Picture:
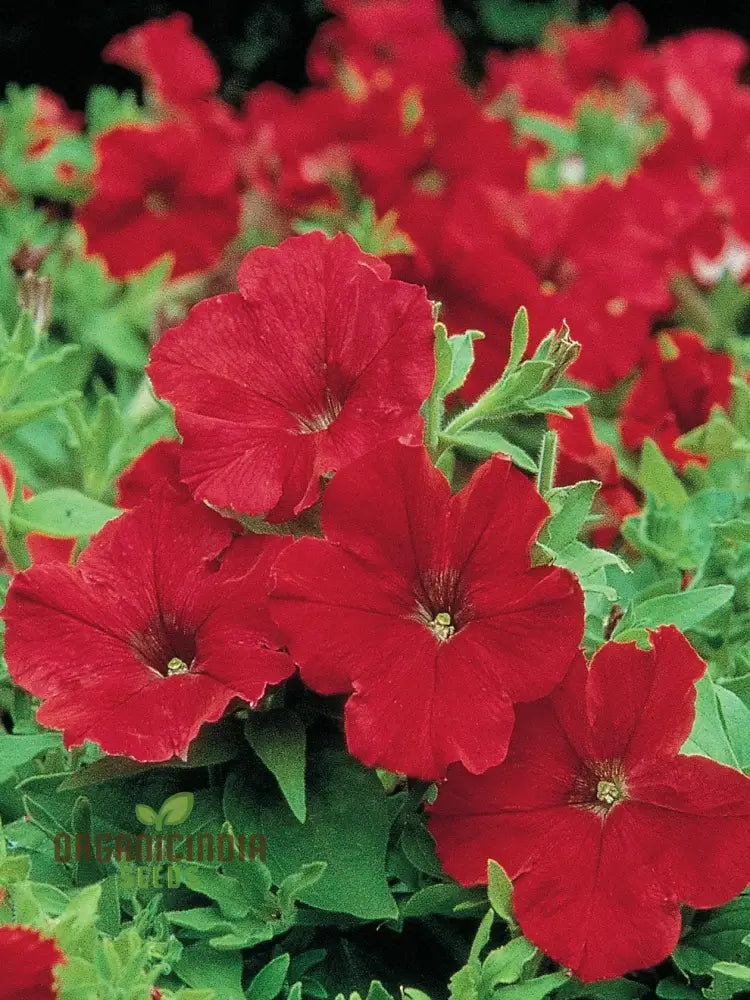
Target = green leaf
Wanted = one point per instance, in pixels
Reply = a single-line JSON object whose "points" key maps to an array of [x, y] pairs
{"points": [[454, 357], [279, 739], [558, 399], [656, 476], [519, 340], [419, 848], [721, 729], [500, 892], [570, 508], [201, 966], [483, 443], [685, 609], [269, 982], [440, 898], [176, 808], [674, 988], [15, 418], [535, 989], [522, 23], [604, 989], [716, 935], [505, 965], [107, 107], [15, 751], [347, 825], [730, 978], [294, 885], [62, 513]]}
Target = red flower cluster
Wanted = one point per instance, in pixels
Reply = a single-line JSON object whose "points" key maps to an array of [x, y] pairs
{"points": [[389, 116], [153, 193], [29, 961], [456, 165], [602, 825], [459, 657]]}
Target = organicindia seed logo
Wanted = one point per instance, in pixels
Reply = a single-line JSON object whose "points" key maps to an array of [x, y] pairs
{"points": [[161, 857]]}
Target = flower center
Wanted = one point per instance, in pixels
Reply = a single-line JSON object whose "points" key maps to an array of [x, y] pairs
{"points": [[609, 792], [166, 647], [177, 666], [556, 275], [442, 626], [440, 603], [430, 181], [321, 419], [158, 201], [600, 787]]}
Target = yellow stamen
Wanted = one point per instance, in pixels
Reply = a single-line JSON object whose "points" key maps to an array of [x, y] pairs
{"points": [[442, 626]]}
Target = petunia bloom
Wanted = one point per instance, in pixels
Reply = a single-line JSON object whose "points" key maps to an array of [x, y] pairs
{"points": [[425, 606], [603, 826], [319, 358], [161, 624], [28, 961], [159, 461], [153, 196], [177, 68], [681, 381]]}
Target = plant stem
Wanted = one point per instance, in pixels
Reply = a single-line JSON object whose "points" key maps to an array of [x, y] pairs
{"points": [[547, 461], [433, 420]]}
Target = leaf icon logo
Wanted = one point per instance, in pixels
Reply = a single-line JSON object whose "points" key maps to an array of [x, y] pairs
{"points": [[174, 810]]}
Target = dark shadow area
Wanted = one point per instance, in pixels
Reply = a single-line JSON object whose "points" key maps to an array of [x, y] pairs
{"points": [[59, 44]]}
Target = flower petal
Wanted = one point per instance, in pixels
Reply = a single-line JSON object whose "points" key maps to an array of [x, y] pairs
{"points": [[641, 703], [698, 811]]}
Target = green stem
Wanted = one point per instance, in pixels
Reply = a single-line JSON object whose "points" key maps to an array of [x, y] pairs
{"points": [[694, 307], [433, 420], [545, 478]]}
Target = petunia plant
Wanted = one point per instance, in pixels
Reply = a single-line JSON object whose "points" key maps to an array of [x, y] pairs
{"points": [[375, 522]]}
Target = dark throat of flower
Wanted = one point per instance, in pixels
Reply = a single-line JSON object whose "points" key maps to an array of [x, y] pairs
{"points": [[320, 417], [440, 604], [600, 787], [159, 199], [166, 646], [556, 275]]}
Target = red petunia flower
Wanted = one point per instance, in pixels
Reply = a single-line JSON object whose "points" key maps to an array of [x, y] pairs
{"points": [[177, 68], [297, 149], [701, 164], [147, 637], [41, 548], [159, 461], [319, 358], [602, 825], [580, 255], [581, 456], [681, 381], [426, 607], [603, 55], [153, 195], [371, 39], [28, 962]]}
